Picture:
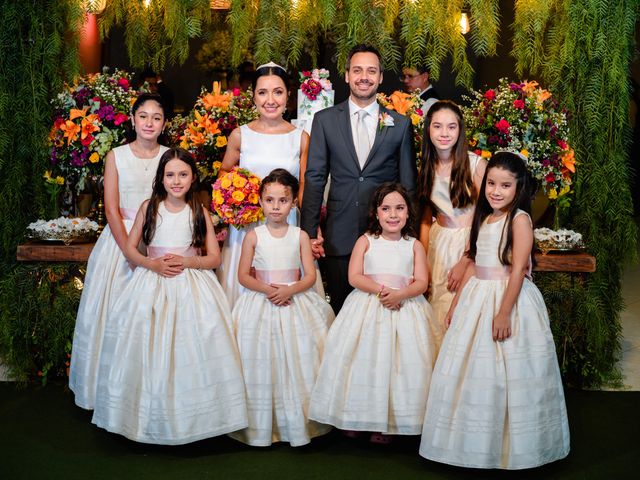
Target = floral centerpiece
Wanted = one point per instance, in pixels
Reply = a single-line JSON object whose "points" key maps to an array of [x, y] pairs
{"points": [[89, 119], [525, 118], [235, 198], [410, 105], [548, 240], [204, 132], [314, 85], [63, 229]]}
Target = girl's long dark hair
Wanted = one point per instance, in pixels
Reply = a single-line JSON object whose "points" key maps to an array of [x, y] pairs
{"points": [[159, 194], [382, 191], [462, 190], [525, 188]]}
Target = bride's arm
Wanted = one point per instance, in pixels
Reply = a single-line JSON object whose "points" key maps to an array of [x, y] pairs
{"points": [[232, 154], [304, 152]]}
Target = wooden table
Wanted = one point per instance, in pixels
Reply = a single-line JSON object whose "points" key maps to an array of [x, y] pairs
{"points": [[39, 252], [565, 262], [54, 252]]}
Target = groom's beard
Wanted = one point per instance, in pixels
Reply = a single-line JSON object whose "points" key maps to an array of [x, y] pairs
{"points": [[360, 96]]}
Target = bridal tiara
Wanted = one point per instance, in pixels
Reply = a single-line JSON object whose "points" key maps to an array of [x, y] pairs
{"points": [[271, 65]]}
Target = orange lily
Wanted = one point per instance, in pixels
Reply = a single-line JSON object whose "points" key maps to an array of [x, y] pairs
{"points": [[75, 113], [400, 102], [542, 96], [529, 87], [216, 99], [569, 161], [205, 122], [196, 137], [88, 126], [70, 130]]}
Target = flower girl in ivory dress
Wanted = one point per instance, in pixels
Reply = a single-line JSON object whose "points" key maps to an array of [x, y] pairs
{"points": [[449, 182], [128, 174], [380, 350], [281, 322], [496, 398], [169, 370]]}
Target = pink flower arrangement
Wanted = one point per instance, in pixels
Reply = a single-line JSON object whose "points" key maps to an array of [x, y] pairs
{"points": [[235, 198], [313, 82]]}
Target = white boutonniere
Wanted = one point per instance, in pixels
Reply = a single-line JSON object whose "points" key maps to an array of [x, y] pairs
{"points": [[385, 120]]}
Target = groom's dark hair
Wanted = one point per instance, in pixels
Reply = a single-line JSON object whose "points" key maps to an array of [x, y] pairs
{"points": [[361, 48]]}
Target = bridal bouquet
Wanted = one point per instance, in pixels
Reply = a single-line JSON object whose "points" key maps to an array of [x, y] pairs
{"points": [[205, 130], [235, 198], [525, 118], [409, 105], [89, 119]]}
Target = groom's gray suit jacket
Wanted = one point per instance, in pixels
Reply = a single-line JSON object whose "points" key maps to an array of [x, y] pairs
{"points": [[331, 151]]}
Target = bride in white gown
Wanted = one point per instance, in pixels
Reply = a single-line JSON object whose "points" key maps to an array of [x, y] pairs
{"points": [[261, 146]]}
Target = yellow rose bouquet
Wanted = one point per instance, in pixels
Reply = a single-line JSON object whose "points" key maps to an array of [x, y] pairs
{"points": [[235, 198]]}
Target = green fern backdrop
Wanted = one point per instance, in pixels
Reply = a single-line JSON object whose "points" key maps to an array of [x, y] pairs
{"points": [[582, 49], [38, 52]]}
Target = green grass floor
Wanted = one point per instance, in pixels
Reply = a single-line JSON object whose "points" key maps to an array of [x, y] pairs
{"points": [[43, 435]]}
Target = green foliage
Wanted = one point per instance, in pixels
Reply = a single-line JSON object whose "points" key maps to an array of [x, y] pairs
{"points": [[38, 305], [38, 52], [427, 30], [157, 33], [276, 30], [582, 50]]}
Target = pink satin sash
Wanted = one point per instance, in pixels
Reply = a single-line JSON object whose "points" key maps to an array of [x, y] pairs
{"points": [[498, 273], [461, 221], [157, 252], [390, 280], [493, 273], [128, 213], [279, 277]]}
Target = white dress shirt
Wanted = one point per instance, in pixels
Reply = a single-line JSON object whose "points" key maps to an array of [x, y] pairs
{"points": [[426, 105]]}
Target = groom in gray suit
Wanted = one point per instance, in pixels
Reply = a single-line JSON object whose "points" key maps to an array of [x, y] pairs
{"points": [[361, 145]]}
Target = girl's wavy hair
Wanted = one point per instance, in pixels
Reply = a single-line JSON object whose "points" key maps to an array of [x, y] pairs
{"points": [[525, 188], [382, 191], [159, 193], [462, 191]]}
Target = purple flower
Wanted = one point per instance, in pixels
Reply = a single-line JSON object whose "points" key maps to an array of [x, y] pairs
{"points": [[515, 87], [81, 95], [106, 112], [493, 139], [76, 161]]}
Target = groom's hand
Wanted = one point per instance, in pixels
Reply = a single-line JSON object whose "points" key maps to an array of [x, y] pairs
{"points": [[316, 245]]}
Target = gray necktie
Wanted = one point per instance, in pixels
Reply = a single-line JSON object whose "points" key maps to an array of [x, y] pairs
{"points": [[362, 135]]}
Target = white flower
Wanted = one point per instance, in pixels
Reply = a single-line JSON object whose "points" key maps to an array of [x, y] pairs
{"points": [[386, 120]]}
